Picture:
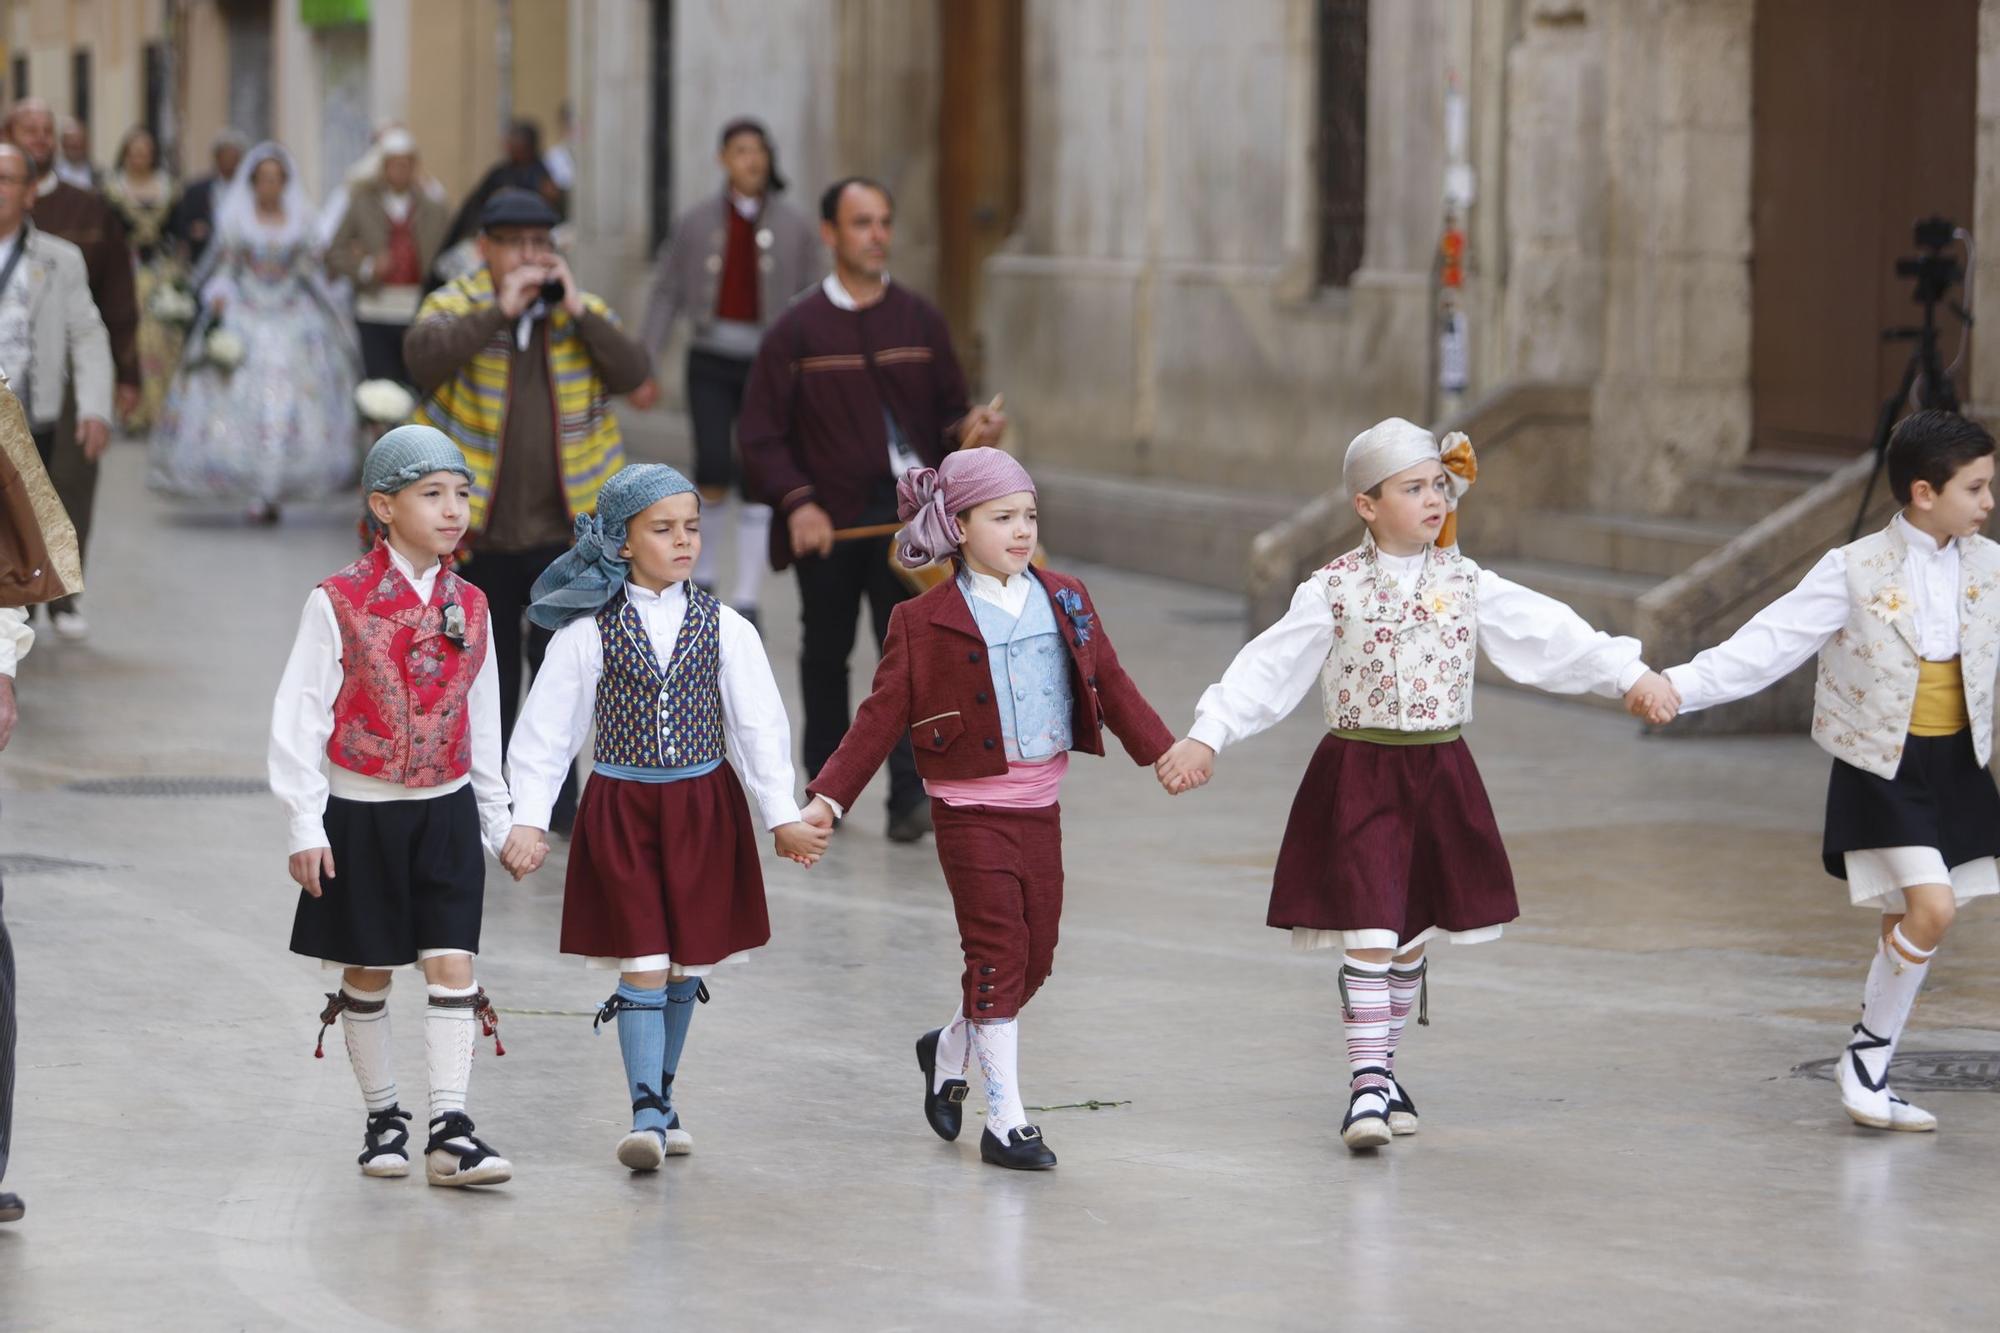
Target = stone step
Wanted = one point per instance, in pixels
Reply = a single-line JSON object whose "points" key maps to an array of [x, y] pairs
{"points": [[1743, 496], [1606, 598], [1621, 543]]}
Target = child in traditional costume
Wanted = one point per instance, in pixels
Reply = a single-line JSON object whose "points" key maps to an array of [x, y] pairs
{"points": [[1391, 841], [995, 675], [664, 882], [391, 687], [1906, 624]]}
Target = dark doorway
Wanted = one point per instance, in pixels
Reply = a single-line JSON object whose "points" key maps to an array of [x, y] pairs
{"points": [[979, 157], [1864, 122]]}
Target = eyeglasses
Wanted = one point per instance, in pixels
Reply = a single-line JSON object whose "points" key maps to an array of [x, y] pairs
{"points": [[538, 242]]}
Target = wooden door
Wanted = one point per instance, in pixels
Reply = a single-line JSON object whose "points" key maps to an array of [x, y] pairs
{"points": [[979, 156], [1863, 121]]}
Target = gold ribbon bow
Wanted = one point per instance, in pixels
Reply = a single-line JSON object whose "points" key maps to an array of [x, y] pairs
{"points": [[1455, 452]]}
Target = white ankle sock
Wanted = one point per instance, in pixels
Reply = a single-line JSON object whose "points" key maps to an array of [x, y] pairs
{"points": [[449, 1036], [1891, 992], [953, 1048], [1365, 1016], [998, 1047], [714, 518], [369, 1049], [753, 553]]}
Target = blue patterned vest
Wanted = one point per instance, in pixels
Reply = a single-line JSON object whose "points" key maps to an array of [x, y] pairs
{"points": [[1030, 673], [649, 716]]}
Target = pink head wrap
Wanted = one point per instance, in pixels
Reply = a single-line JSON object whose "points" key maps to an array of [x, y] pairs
{"points": [[929, 500]]}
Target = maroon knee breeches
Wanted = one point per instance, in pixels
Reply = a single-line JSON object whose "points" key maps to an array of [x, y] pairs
{"points": [[1004, 869]]}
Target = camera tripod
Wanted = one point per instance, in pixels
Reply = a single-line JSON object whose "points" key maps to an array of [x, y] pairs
{"points": [[1936, 274]]}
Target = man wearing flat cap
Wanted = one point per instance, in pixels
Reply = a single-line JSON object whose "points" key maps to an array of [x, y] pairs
{"points": [[518, 366]]}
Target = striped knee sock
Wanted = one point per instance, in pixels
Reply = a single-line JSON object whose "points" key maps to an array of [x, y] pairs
{"points": [[1364, 1000], [368, 1046], [1404, 985]]}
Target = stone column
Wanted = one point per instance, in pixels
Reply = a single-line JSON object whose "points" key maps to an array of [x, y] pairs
{"points": [[610, 77], [1673, 399]]}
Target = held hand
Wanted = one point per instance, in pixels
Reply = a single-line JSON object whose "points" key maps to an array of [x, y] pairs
{"points": [[645, 397], [93, 435], [10, 712], [524, 851], [819, 814], [126, 399], [800, 842], [1189, 764], [519, 290], [572, 298], [1653, 699], [983, 426], [811, 530], [309, 866]]}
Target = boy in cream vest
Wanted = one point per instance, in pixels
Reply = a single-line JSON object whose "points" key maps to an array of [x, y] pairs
{"points": [[1392, 842], [1905, 626]]}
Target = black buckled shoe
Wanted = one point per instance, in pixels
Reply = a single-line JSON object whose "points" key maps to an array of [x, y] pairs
{"points": [[385, 1144], [11, 1208], [1023, 1150], [453, 1157], [944, 1107]]}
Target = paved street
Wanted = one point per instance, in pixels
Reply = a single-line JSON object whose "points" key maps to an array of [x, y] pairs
{"points": [[1613, 1132]]}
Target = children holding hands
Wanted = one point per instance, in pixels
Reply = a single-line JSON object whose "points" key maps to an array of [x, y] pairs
{"points": [[1906, 625], [995, 675], [385, 752], [1391, 840], [664, 882]]}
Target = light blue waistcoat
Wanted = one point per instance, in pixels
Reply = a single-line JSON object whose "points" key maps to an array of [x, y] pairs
{"points": [[1030, 672]]}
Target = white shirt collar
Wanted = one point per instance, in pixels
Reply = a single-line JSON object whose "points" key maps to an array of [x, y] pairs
{"points": [[746, 207], [1010, 596], [421, 582], [647, 597], [838, 294], [47, 185], [1921, 543]]}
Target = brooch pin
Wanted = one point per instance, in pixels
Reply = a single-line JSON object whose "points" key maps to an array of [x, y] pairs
{"points": [[1079, 618], [454, 623]]}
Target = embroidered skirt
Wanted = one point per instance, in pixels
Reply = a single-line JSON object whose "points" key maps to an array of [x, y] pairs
{"points": [[1940, 798], [409, 881], [664, 869], [1388, 845]]}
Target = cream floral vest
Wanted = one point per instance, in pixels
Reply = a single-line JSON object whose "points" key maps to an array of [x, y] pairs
{"points": [[1401, 663], [1867, 681]]}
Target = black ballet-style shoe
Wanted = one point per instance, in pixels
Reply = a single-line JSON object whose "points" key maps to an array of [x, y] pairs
{"points": [[943, 1107], [1023, 1150], [11, 1207]]}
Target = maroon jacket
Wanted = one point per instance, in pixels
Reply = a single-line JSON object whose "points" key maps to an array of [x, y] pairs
{"points": [[812, 427], [935, 686]]}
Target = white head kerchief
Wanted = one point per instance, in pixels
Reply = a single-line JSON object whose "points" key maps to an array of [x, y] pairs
{"points": [[1383, 450]]}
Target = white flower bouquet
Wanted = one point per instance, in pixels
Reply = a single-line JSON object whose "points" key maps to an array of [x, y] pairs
{"points": [[172, 305], [384, 402], [224, 349]]}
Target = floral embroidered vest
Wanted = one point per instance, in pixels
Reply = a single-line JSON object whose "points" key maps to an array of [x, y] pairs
{"points": [[401, 712], [649, 716], [1867, 679], [1401, 663]]}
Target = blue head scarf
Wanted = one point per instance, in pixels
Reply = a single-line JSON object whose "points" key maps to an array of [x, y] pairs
{"points": [[582, 579]]}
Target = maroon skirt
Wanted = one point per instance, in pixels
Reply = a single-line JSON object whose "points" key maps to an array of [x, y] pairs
{"points": [[664, 867], [1392, 837]]}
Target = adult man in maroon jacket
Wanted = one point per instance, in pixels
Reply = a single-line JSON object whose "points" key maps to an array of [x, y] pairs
{"points": [[852, 385]]}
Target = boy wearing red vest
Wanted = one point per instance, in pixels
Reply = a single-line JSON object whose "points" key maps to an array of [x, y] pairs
{"points": [[385, 751]]}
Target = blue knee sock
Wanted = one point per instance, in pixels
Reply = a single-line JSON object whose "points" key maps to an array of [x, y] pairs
{"points": [[679, 1013], [642, 1036]]}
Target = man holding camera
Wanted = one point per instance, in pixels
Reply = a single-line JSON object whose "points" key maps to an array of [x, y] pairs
{"points": [[542, 445]]}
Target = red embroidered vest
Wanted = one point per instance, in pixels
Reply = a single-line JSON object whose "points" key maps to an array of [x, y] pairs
{"points": [[401, 713]]}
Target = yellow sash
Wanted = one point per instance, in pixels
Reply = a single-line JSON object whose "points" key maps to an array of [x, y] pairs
{"points": [[1940, 709]]}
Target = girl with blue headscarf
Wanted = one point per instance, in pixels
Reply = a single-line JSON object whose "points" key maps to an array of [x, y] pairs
{"points": [[663, 881]]}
